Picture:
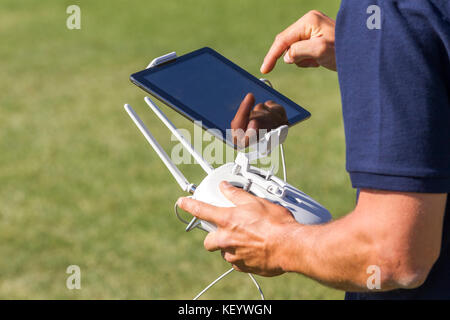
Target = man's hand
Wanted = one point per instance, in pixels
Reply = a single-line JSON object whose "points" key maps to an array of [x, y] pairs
{"points": [[309, 42], [249, 234], [250, 119]]}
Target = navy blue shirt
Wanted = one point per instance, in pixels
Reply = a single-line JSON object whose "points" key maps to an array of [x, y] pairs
{"points": [[394, 76]]}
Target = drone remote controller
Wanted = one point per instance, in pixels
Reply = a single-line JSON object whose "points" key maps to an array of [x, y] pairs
{"points": [[262, 184], [240, 173]]}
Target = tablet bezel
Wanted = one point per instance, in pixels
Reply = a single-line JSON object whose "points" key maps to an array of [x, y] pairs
{"points": [[138, 79]]}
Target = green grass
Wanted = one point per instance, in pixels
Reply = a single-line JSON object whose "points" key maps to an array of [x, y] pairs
{"points": [[78, 183]]}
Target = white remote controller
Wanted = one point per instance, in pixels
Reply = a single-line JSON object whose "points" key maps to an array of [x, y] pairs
{"points": [[262, 184], [239, 173]]}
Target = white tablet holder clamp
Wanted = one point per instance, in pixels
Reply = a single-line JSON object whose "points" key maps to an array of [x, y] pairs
{"points": [[239, 173]]}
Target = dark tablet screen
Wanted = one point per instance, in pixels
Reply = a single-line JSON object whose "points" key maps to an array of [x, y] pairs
{"points": [[207, 87]]}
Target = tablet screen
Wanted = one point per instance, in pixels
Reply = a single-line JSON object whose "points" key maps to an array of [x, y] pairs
{"points": [[206, 87]]}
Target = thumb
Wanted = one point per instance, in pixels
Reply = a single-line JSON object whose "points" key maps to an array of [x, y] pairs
{"points": [[236, 195], [302, 50]]}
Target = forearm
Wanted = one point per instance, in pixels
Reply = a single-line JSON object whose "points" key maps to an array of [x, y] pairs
{"points": [[398, 232], [336, 254]]}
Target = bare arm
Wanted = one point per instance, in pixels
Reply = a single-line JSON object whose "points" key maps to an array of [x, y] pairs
{"points": [[398, 232]]}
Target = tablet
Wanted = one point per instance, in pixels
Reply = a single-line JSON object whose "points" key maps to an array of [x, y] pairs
{"points": [[205, 86]]}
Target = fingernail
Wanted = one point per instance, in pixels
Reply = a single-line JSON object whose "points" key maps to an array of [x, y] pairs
{"points": [[262, 68], [180, 201], [226, 184], [288, 58]]}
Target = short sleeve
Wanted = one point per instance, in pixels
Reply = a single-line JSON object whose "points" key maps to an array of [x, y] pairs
{"points": [[395, 90]]}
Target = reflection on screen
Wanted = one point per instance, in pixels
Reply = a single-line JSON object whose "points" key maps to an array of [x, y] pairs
{"points": [[212, 89]]}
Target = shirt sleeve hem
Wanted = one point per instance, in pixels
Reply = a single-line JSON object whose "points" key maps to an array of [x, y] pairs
{"points": [[399, 183]]}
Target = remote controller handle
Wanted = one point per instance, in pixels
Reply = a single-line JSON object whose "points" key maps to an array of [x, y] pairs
{"points": [[304, 209]]}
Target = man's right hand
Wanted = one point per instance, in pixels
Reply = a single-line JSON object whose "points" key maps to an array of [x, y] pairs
{"points": [[309, 42]]}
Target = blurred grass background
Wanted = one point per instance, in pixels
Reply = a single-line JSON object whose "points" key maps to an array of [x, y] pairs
{"points": [[78, 183]]}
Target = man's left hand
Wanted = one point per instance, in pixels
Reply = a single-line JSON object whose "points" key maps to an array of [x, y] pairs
{"points": [[249, 235]]}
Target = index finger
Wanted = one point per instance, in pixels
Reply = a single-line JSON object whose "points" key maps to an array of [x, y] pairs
{"points": [[203, 210], [282, 42]]}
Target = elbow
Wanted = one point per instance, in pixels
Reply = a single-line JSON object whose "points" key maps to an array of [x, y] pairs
{"points": [[407, 271], [409, 279]]}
